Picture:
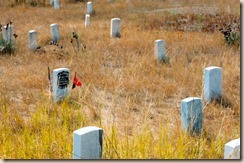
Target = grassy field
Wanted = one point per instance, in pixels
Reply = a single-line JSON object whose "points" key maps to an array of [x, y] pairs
{"points": [[135, 99]]}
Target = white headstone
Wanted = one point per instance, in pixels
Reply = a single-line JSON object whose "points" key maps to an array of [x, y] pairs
{"points": [[212, 83], [87, 143], [54, 32], [60, 84], [32, 35], [115, 27], [10, 33], [56, 4], [89, 8], [7, 33], [159, 49], [191, 114], [87, 20], [232, 149]]}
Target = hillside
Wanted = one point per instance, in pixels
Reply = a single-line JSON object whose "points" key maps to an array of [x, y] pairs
{"points": [[134, 98]]}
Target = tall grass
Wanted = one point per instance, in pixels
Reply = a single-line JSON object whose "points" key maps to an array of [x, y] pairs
{"points": [[126, 92]]}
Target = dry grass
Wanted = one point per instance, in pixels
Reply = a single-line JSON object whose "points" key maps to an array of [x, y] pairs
{"points": [[126, 92]]}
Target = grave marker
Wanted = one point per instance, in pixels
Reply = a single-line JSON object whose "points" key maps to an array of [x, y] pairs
{"points": [[89, 8], [87, 20], [212, 83], [54, 32], [191, 115], [87, 143], [115, 27], [232, 149], [159, 49], [56, 4], [60, 84], [32, 39], [7, 33]]}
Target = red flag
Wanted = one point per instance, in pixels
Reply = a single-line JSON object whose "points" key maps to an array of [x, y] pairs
{"points": [[76, 82]]}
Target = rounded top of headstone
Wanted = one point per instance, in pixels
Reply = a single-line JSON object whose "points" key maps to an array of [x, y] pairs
{"points": [[89, 2], [88, 15], [61, 69], [54, 24], [85, 130], [190, 99], [115, 19], [32, 31], [159, 40], [233, 143], [212, 67]]}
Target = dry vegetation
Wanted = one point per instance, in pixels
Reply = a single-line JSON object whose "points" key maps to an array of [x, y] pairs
{"points": [[126, 92]]}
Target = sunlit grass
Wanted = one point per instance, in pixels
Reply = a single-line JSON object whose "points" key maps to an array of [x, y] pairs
{"points": [[133, 98]]}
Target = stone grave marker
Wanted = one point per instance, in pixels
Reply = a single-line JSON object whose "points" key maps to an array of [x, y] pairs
{"points": [[54, 32], [89, 8], [115, 27], [60, 84], [212, 83], [87, 20], [159, 49], [191, 115], [7, 33], [56, 4], [87, 143], [32, 35], [232, 149]]}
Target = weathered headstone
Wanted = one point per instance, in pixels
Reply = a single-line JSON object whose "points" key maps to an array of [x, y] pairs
{"points": [[10, 33], [232, 149], [191, 115], [60, 84], [212, 83], [87, 143], [87, 20], [56, 4], [7, 33], [32, 35], [115, 27], [159, 49], [89, 8], [54, 32]]}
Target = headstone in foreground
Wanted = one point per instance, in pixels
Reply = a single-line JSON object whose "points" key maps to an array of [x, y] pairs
{"points": [[232, 149], [87, 143], [191, 115]]}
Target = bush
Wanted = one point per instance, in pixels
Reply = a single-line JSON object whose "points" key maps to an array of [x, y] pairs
{"points": [[6, 47], [232, 34]]}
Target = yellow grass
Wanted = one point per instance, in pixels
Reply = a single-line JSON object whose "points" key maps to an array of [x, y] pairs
{"points": [[126, 92]]}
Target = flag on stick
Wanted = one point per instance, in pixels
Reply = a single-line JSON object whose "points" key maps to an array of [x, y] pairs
{"points": [[76, 82], [49, 81]]}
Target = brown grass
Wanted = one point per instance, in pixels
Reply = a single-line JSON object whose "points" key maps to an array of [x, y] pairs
{"points": [[123, 84]]}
